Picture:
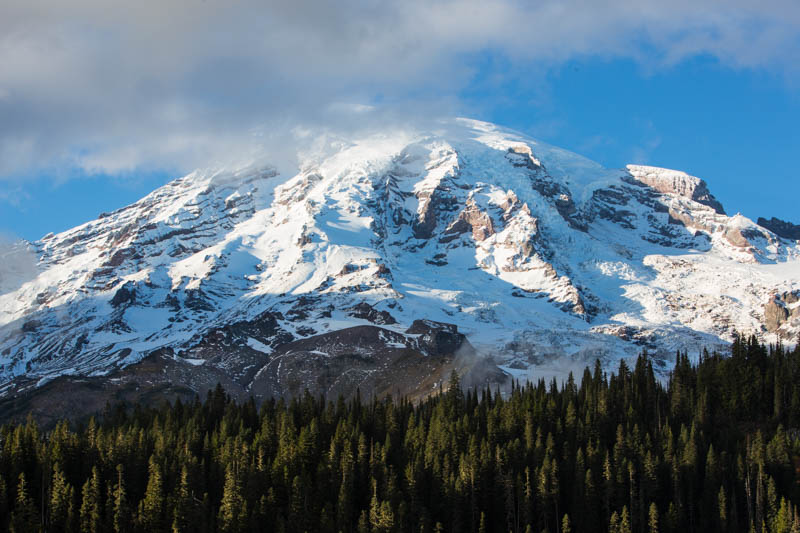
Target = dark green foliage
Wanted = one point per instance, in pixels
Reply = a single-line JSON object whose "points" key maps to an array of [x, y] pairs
{"points": [[23, 517], [717, 449]]}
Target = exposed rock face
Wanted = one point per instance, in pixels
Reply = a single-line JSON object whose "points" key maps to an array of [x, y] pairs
{"points": [[546, 185], [366, 360], [472, 220], [436, 338], [365, 311], [259, 357], [125, 294], [781, 228], [743, 237], [782, 309], [673, 181]]}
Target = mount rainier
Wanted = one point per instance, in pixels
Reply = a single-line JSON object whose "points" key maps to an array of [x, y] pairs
{"points": [[382, 263]]}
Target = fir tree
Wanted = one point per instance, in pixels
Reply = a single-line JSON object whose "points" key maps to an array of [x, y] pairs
{"points": [[121, 511], [151, 508], [565, 525], [61, 497], [23, 518], [182, 521], [90, 512], [652, 518], [232, 512]]}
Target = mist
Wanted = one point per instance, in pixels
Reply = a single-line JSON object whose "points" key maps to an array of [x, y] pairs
{"points": [[18, 264]]}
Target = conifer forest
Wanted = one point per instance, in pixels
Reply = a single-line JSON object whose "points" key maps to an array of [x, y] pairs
{"points": [[715, 447]]}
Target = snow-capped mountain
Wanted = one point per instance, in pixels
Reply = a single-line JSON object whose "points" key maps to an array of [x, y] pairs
{"points": [[541, 258]]}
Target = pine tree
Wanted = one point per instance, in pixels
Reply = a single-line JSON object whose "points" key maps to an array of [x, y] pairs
{"points": [[722, 506], [613, 523], [455, 396], [297, 505], [3, 501], [796, 519], [181, 518], [151, 508], [120, 507], [61, 496], [232, 513], [625, 521], [363, 523], [782, 521], [652, 519], [23, 518], [90, 513], [565, 525], [381, 517]]}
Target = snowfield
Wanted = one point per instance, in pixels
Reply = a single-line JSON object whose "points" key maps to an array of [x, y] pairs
{"points": [[543, 258]]}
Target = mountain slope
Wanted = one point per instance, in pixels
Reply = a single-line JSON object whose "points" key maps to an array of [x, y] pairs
{"points": [[543, 259]]}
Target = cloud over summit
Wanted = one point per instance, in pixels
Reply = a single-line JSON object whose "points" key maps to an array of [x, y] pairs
{"points": [[116, 86]]}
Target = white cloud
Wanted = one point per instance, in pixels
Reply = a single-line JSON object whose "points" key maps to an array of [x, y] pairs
{"points": [[113, 86]]}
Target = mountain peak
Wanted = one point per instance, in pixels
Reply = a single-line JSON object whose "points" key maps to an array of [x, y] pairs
{"points": [[534, 253]]}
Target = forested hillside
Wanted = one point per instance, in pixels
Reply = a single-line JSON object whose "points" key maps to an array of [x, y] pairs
{"points": [[716, 449]]}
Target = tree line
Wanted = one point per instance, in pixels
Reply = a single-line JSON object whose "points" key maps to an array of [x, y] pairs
{"points": [[715, 448]]}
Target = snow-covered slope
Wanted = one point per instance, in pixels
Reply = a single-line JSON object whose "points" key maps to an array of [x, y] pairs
{"points": [[541, 257]]}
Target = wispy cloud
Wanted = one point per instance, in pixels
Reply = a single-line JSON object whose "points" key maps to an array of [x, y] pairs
{"points": [[17, 264], [113, 86]]}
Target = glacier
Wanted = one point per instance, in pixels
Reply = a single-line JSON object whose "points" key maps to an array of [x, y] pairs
{"points": [[543, 259]]}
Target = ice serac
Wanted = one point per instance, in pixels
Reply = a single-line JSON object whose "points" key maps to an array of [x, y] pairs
{"points": [[393, 258]]}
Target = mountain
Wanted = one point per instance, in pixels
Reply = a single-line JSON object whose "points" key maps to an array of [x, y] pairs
{"points": [[781, 228], [384, 262]]}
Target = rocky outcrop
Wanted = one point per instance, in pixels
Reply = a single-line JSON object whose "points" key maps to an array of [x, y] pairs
{"points": [[365, 311], [438, 338], [473, 220], [781, 228], [674, 182], [544, 184], [783, 308], [742, 238], [125, 294]]}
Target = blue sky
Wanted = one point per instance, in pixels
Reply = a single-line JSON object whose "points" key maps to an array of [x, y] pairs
{"points": [[738, 129], [99, 106]]}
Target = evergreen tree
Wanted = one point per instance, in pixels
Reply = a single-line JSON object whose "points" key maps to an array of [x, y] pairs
{"points": [[90, 512], [722, 506], [151, 508], [625, 521], [182, 520], [62, 495], [121, 511], [652, 518], [232, 514], [23, 518]]}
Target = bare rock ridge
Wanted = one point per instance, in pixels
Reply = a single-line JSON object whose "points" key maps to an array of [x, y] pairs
{"points": [[675, 182], [383, 263], [781, 228], [365, 360]]}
